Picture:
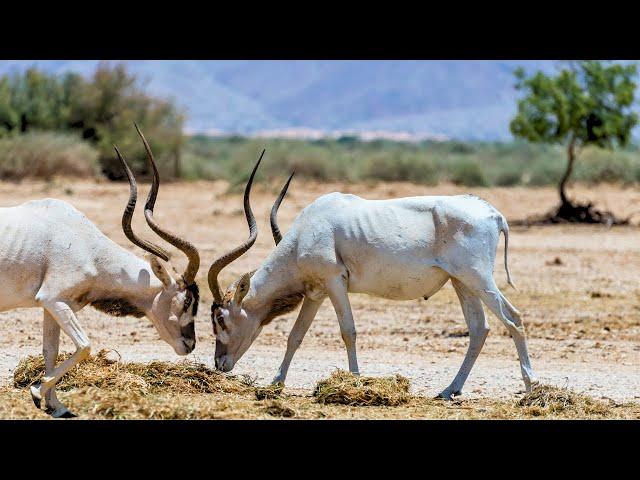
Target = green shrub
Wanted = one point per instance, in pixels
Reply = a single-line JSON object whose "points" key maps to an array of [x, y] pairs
{"points": [[469, 174], [46, 154], [479, 164], [100, 110], [544, 173], [508, 178], [635, 173], [195, 167], [413, 168], [597, 165]]}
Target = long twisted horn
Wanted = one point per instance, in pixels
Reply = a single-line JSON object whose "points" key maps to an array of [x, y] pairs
{"points": [[186, 247], [229, 257], [275, 230], [128, 214]]}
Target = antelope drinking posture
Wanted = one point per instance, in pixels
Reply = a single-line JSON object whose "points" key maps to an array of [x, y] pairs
{"points": [[400, 249], [52, 256]]}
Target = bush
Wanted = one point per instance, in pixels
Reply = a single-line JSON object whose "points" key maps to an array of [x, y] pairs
{"points": [[597, 165], [233, 160], [481, 164], [100, 110], [469, 174], [46, 154], [508, 178], [195, 167], [413, 168], [544, 173]]}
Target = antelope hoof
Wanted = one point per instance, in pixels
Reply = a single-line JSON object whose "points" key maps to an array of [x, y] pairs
{"points": [[35, 395], [448, 395], [528, 386], [62, 412]]}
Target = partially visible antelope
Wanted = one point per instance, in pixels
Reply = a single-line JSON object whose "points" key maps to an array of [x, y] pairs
{"points": [[399, 249], [53, 257]]}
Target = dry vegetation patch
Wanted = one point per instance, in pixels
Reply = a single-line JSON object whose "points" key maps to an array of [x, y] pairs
{"points": [[279, 409], [269, 392], [103, 387], [107, 373], [347, 389], [45, 155], [545, 400]]}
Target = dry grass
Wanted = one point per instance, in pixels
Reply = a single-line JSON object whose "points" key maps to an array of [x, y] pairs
{"points": [[581, 315], [269, 392], [547, 400], [279, 409], [45, 155], [347, 389], [100, 371], [104, 388]]}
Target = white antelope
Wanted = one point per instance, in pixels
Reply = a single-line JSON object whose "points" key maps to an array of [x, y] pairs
{"points": [[53, 257], [399, 249]]}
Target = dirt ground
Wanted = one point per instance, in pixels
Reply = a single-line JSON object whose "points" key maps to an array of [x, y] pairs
{"points": [[579, 293]]}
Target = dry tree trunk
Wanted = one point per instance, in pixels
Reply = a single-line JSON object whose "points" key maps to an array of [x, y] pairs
{"points": [[571, 154], [570, 212]]}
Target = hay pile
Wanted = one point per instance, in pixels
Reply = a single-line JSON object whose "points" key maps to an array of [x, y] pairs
{"points": [[547, 400], [278, 409], [103, 387], [99, 371], [98, 403], [347, 389], [268, 393]]}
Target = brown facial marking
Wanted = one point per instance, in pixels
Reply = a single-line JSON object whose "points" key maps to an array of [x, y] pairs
{"points": [[82, 298], [189, 331], [118, 307], [282, 306], [217, 319], [192, 298]]}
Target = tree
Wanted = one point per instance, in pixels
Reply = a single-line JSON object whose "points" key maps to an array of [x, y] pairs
{"points": [[101, 110], [588, 103], [105, 111], [8, 114]]}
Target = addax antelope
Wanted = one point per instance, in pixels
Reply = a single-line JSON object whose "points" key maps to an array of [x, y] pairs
{"points": [[53, 257], [400, 249]]}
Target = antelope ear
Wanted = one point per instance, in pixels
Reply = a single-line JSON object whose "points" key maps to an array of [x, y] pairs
{"points": [[160, 271], [242, 288], [178, 277]]}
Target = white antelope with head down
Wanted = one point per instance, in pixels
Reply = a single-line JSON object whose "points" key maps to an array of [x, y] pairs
{"points": [[399, 249], [52, 256]]}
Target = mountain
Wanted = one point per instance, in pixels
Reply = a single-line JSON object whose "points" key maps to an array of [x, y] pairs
{"points": [[468, 100]]}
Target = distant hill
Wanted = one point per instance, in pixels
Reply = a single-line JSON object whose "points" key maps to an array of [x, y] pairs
{"points": [[467, 100]]}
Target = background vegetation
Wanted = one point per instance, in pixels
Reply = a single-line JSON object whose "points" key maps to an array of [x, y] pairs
{"points": [[590, 103], [470, 164], [67, 124], [93, 113]]}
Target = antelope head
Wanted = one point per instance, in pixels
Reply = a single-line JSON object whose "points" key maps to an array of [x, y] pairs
{"points": [[234, 326], [174, 307]]}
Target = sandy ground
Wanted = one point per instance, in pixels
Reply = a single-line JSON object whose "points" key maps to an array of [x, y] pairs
{"points": [[582, 316]]}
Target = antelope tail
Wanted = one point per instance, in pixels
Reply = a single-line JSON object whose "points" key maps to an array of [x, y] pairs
{"points": [[504, 227]]}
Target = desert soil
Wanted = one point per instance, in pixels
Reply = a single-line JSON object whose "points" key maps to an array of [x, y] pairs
{"points": [[578, 290]]}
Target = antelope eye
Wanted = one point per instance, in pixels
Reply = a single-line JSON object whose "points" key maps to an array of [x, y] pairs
{"points": [[217, 317], [220, 320]]}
